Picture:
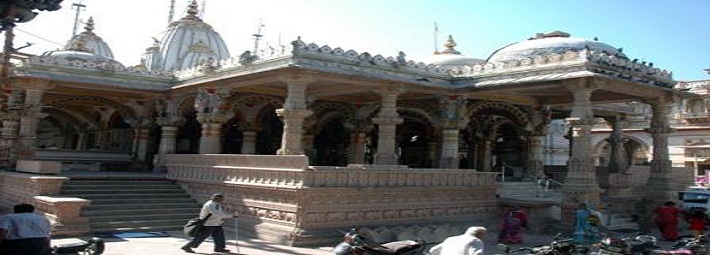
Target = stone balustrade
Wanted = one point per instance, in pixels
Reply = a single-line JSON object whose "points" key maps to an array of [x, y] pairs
{"points": [[39, 190], [293, 171], [282, 199]]}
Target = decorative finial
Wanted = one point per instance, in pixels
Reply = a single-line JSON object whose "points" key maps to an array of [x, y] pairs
{"points": [[450, 44], [90, 25], [192, 9]]}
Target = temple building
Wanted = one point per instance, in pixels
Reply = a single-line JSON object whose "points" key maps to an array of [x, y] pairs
{"points": [[309, 139]]}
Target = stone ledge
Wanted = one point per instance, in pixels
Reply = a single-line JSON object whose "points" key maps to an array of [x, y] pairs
{"points": [[64, 212], [39, 167]]}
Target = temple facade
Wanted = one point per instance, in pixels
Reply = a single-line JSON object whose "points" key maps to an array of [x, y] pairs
{"points": [[306, 139]]}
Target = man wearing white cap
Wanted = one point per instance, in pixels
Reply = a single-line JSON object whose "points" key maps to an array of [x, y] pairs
{"points": [[468, 243]]}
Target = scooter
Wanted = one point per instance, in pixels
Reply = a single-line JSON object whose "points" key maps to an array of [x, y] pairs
{"points": [[356, 244], [94, 246]]}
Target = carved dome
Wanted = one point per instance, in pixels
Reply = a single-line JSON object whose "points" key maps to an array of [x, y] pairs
{"points": [[451, 57], [187, 43], [85, 46], [553, 42]]}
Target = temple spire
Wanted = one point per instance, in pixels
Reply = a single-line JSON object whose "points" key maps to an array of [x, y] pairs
{"points": [[192, 11], [449, 45]]}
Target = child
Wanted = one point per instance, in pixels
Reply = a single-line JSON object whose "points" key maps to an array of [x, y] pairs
{"points": [[697, 220]]}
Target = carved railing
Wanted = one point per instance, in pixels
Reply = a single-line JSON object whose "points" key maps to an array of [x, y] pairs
{"points": [[293, 172]]}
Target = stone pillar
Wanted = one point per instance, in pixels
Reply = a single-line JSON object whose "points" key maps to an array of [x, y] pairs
{"points": [[357, 147], [453, 119], [581, 183], [212, 116], [387, 121], [535, 165], [140, 143], [81, 141], [168, 135], [616, 155], [449, 148], [294, 113], [30, 116], [659, 183], [248, 142], [487, 153]]}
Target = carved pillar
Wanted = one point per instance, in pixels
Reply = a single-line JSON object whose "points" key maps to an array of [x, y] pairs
{"points": [[581, 182], [537, 151], [616, 155], [357, 147], [660, 181], [486, 154], [140, 143], [387, 121], [294, 113], [212, 116], [453, 120], [30, 115], [249, 142]]}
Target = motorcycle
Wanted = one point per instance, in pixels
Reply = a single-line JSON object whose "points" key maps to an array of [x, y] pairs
{"points": [[639, 244], [356, 244], [94, 246], [558, 246], [687, 245]]}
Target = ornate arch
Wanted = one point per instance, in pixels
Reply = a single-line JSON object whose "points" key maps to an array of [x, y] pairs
{"points": [[325, 111], [76, 121], [125, 111], [599, 147], [504, 109], [255, 102]]}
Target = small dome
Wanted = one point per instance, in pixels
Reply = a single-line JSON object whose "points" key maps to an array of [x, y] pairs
{"points": [[89, 42], [188, 43], [86, 46], [451, 57], [553, 42]]}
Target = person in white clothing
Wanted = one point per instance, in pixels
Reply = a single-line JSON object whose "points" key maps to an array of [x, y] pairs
{"points": [[213, 226], [24, 232], [468, 243]]}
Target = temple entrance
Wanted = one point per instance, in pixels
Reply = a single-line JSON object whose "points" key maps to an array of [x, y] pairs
{"points": [[188, 136], [232, 138], [331, 144], [509, 150], [413, 141], [268, 140]]}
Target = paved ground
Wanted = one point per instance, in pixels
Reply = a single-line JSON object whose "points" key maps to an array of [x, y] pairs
{"points": [[170, 245]]}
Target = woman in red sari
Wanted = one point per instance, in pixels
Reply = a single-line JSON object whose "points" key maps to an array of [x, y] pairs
{"points": [[513, 222], [667, 220]]}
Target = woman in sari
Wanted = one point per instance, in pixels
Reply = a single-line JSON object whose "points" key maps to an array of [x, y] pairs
{"points": [[667, 220], [513, 222], [587, 225]]}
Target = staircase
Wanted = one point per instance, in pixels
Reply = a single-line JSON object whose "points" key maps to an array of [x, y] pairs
{"points": [[529, 189], [123, 205]]}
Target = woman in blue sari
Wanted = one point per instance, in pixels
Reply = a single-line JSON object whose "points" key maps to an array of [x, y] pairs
{"points": [[586, 225]]}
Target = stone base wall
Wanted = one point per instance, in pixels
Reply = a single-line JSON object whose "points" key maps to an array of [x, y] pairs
{"points": [[16, 188], [289, 202]]}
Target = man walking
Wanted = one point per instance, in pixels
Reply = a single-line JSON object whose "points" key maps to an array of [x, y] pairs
{"points": [[468, 243], [213, 226], [24, 232]]}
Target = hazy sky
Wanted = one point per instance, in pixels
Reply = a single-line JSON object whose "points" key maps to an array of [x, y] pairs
{"points": [[673, 34]]}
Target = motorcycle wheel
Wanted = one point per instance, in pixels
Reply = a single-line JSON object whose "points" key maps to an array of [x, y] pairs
{"points": [[96, 247]]}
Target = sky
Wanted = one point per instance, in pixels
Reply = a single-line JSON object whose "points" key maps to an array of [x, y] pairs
{"points": [[673, 34]]}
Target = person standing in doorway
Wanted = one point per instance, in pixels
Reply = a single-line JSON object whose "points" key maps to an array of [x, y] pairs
{"points": [[213, 226], [25, 232]]}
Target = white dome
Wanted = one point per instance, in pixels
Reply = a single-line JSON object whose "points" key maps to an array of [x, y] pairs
{"points": [[554, 42], [187, 43], [89, 42]]}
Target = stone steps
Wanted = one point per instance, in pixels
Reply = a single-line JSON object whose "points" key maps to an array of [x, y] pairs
{"points": [[132, 204]]}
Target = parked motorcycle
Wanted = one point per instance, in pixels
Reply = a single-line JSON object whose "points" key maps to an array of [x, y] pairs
{"points": [[687, 245], [638, 244], [356, 244], [558, 246], [94, 246]]}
